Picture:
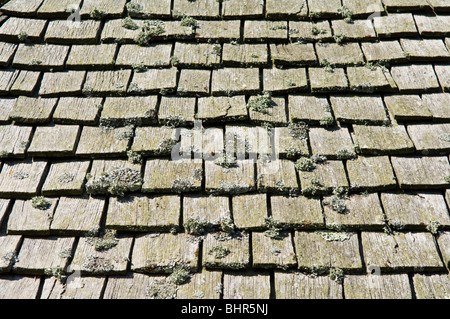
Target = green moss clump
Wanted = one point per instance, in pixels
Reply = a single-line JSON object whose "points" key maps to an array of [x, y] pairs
{"points": [[116, 182], [219, 252], [133, 7], [22, 36], [337, 275], [129, 24], [327, 121], [180, 274], [134, 157], [227, 225], [343, 154], [329, 235], [327, 66], [196, 226], [261, 103], [58, 272], [188, 22], [433, 227], [97, 14], [40, 202], [313, 189], [139, 67], [346, 13], [273, 226], [105, 242], [339, 38], [317, 31], [161, 289], [149, 31], [66, 177], [298, 130], [304, 164]]}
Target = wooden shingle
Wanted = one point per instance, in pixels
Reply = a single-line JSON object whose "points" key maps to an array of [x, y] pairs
{"points": [[199, 8], [161, 252], [430, 138], [57, 8], [92, 56], [294, 54], [401, 251], [425, 49], [372, 173], [242, 9], [310, 31], [221, 30], [28, 220], [275, 114], [6, 106], [14, 140], [32, 110], [77, 215], [359, 30], [257, 30], [56, 140], [7, 51], [179, 176], [227, 81], [8, 249], [245, 55], [432, 26], [361, 212], [323, 8], [203, 285], [21, 7], [377, 287], [65, 178], [378, 140], [384, 51], [438, 104], [222, 108], [365, 80], [300, 286], [444, 246], [72, 32], [7, 79], [415, 78], [139, 111], [407, 107], [304, 108], [289, 145], [89, 260], [443, 74], [38, 255], [21, 178], [330, 142], [106, 82], [327, 249], [106, 8], [234, 180], [153, 140], [415, 211], [340, 55], [101, 141], [61, 83], [363, 8], [154, 81], [176, 111], [151, 9], [358, 109], [322, 81], [244, 286], [404, 5], [395, 25], [211, 209], [284, 80], [297, 212], [194, 82], [188, 55], [18, 287], [229, 253], [291, 9], [144, 213], [273, 252], [431, 286], [25, 83], [323, 178], [155, 55], [249, 211], [13, 27], [418, 172], [76, 110], [75, 288], [276, 176]]}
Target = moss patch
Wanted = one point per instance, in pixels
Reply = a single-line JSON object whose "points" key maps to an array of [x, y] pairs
{"points": [[129, 24], [116, 182], [196, 226], [261, 103], [40, 202], [150, 30], [219, 252], [329, 235]]}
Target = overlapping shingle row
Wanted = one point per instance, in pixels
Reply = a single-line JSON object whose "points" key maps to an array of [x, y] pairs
{"points": [[117, 120]]}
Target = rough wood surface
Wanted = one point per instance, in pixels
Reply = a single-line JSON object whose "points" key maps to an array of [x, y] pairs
{"points": [[7, 51], [32, 110], [323, 8], [234, 180], [100, 141], [154, 81], [322, 81], [361, 212], [247, 141], [436, 26], [284, 80], [177, 110], [61, 83], [18, 287], [320, 250], [377, 287], [194, 82], [23, 7], [8, 249], [222, 108], [425, 49], [249, 211], [415, 78], [245, 55], [196, 54], [131, 286], [14, 140], [4, 206], [144, 213], [76, 288], [84, 57], [243, 286], [204, 285], [76, 110], [415, 211], [114, 260], [40, 254], [443, 74], [273, 252], [395, 25], [40, 56], [390, 51], [152, 140], [401, 251], [151, 9], [431, 286], [161, 252], [21, 178], [340, 55], [329, 175], [223, 30], [329, 142], [139, 110], [304, 108], [276, 176], [25, 83], [377, 140], [444, 246], [235, 80], [199, 8], [211, 209], [365, 80], [27, 220], [57, 140], [242, 9], [107, 82], [430, 138], [407, 107], [6, 106], [57, 8], [287, 9], [7, 79], [297, 212], [259, 31], [77, 215], [109, 8], [155, 55], [418, 172], [66, 178], [358, 109], [373, 173], [237, 248], [438, 104], [300, 286], [275, 115], [288, 145], [12, 27], [295, 54], [72, 32]]}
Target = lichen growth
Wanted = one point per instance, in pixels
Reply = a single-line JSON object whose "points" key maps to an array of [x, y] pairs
{"points": [[337, 275], [344, 154], [9, 258], [226, 160], [161, 289], [447, 178], [298, 130], [196, 226], [133, 7], [445, 137], [134, 157], [58, 272], [227, 225], [40, 202], [97, 14], [104, 242], [150, 30], [261, 103], [188, 22], [339, 38], [129, 24], [115, 181], [346, 13], [327, 121], [329, 235], [314, 188], [20, 175], [97, 264], [139, 67], [328, 67], [304, 164], [337, 201], [22, 36], [180, 274], [433, 227], [317, 31], [219, 252], [273, 226]]}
